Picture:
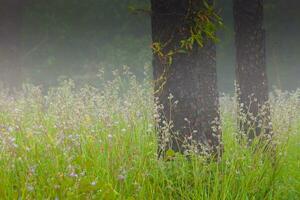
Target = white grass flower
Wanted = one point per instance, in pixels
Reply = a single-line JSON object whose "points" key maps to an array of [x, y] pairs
{"points": [[30, 188], [110, 136]]}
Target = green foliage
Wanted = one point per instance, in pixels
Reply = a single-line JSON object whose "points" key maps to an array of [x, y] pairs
{"points": [[201, 25], [94, 143]]}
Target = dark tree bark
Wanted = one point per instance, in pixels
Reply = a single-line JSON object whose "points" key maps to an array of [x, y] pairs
{"points": [[10, 39], [251, 71], [191, 79]]}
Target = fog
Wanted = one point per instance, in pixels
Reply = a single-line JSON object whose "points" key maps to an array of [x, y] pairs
{"points": [[98, 120], [76, 38], [282, 24]]}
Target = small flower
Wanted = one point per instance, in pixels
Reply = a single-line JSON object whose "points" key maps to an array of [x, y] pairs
{"points": [[170, 97], [30, 188], [121, 177], [73, 175], [10, 129], [110, 136], [187, 120], [32, 169], [156, 116], [82, 173], [93, 183]]}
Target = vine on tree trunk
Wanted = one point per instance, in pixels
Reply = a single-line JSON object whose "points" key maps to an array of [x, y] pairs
{"points": [[200, 24]]}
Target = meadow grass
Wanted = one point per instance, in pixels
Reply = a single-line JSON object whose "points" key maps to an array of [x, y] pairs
{"points": [[93, 143]]}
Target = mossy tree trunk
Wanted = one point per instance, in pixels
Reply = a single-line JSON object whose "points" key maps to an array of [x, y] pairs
{"points": [[10, 42], [251, 73], [191, 78]]}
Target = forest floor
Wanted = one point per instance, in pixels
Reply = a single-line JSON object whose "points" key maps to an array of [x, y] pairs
{"points": [[101, 144]]}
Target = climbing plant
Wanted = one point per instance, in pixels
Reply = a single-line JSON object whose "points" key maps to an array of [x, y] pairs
{"points": [[200, 25]]}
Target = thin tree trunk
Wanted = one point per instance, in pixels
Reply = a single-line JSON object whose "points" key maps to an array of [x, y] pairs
{"points": [[10, 42], [251, 73], [191, 79]]}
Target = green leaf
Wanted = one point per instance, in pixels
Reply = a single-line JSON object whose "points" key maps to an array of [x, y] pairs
{"points": [[170, 153], [206, 4]]}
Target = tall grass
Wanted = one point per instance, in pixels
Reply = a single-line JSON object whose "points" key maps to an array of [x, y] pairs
{"points": [[100, 143]]}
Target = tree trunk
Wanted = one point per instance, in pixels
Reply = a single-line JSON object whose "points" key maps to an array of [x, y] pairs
{"points": [[251, 70], [191, 79], [10, 39]]}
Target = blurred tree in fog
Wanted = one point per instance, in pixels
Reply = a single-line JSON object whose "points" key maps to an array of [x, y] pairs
{"points": [[282, 22], [251, 72], [282, 27], [11, 13]]}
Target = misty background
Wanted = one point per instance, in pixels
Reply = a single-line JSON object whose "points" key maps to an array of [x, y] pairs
{"points": [[74, 38]]}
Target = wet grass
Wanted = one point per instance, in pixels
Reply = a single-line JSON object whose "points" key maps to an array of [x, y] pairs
{"points": [[101, 144]]}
